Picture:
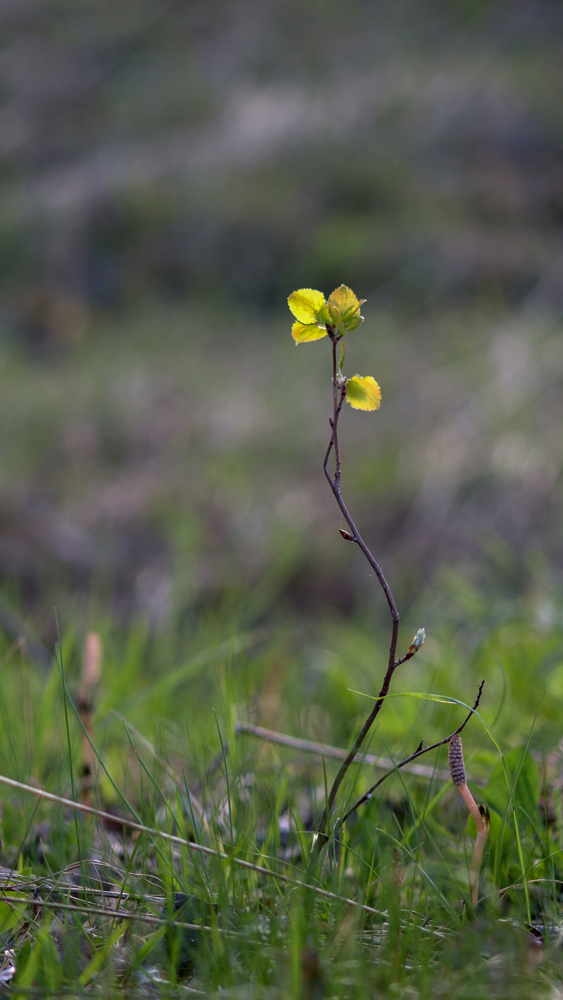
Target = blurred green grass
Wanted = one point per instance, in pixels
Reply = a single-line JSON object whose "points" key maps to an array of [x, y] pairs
{"points": [[159, 463], [160, 697], [168, 177]]}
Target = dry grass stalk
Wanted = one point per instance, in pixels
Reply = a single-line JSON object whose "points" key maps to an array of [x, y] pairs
{"points": [[91, 673]]}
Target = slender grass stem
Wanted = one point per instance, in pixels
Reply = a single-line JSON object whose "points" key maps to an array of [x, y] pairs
{"points": [[182, 842], [522, 866], [60, 664], [224, 755], [52, 904]]}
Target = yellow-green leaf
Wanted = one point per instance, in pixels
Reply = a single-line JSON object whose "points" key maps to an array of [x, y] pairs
{"points": [[354, 321], [344, 309], [336, 319], [303, 332], [344, 299], [306, 304], [363, 393]]}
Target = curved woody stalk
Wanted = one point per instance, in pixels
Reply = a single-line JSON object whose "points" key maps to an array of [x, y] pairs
{"points": [[354, 536], [317, 318]]}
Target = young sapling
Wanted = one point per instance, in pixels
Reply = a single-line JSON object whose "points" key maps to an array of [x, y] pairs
{"points": [[336, 317]]}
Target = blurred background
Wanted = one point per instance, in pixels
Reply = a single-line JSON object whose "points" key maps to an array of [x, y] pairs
{"points": [[169, 173]]}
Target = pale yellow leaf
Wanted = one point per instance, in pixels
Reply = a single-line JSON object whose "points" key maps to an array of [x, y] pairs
{"points": [[304, 332], [306, 304], [344, 307], [344, 299], [363, 393]]}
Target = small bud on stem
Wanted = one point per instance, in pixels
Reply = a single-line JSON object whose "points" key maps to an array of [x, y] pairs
{"points": [[413, 648], [417, 641]]}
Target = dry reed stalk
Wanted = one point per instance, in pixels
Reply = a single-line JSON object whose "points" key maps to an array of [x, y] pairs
{"points": [[91, 672]]}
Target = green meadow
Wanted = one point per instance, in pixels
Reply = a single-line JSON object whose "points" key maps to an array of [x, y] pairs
{"points": [[290, 635]]}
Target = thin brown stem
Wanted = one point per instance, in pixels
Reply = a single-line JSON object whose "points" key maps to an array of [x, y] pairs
{"points": [[419, 752], [334, 483], [407, 656], [336, 408]]}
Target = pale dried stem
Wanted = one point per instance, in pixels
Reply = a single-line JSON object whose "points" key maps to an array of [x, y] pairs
{"points": [[336, 753], [471, 805], [91, 673], [172, 838], [482, 824], [478, 849]]}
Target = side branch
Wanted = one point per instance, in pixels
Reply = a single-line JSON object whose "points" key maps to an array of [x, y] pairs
{"points": [[413, 756]]}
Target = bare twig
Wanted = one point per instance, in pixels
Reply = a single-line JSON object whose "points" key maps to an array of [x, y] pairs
{"points": [[414, 756], [355, 536], [403, 659]]}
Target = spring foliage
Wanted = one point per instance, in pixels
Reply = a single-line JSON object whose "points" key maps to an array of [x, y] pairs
{"points": [[317, 317]]}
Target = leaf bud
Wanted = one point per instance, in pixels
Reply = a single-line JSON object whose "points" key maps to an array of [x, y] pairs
{"points": [[419, 638], [417, 642]]}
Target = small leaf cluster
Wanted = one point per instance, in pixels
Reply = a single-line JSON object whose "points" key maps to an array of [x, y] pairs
{"points": [[317, 317]]}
